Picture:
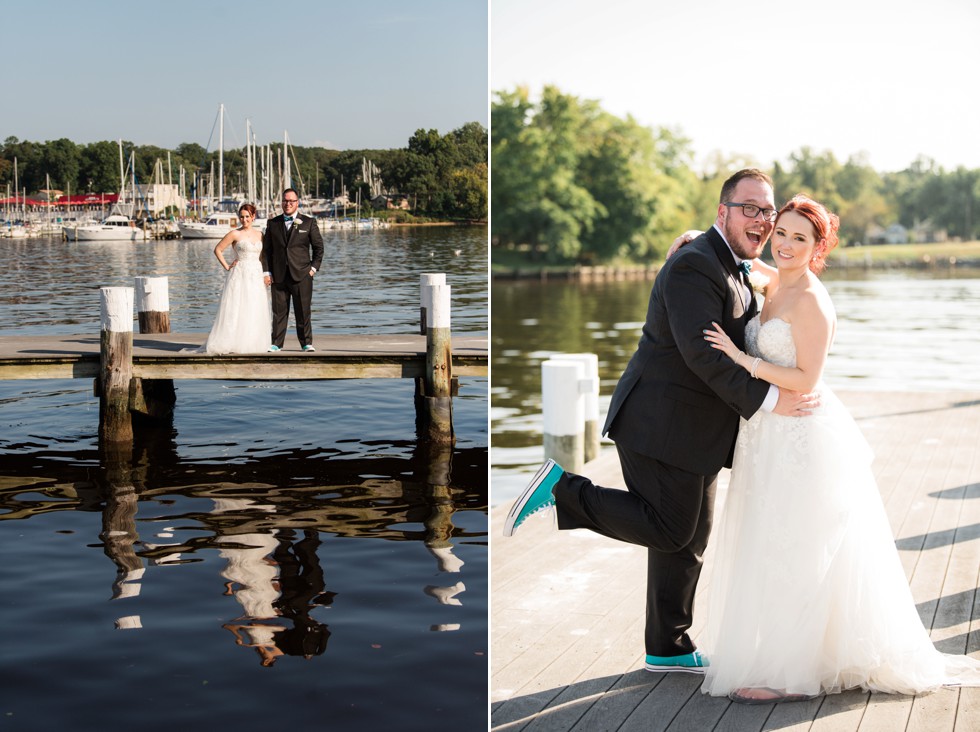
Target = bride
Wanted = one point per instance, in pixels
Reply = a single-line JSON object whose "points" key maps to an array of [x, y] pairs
{"points": [[808, 594], [244, 319]]}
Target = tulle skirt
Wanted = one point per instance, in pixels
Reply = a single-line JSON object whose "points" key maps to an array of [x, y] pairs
{"points": [[244, 320], [808, 594]]}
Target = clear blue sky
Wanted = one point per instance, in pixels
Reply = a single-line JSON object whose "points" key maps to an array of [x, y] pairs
{"points": [[343, 75], [892, 79]]}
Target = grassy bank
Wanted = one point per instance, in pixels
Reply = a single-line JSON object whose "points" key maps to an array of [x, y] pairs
{"points": [[911, 255], [511, 264]]}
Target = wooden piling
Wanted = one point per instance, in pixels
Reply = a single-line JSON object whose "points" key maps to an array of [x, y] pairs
{"points": [[153, 304], [589, 388], [436, 398], [153, 399], [563, 412], [116, 365]]}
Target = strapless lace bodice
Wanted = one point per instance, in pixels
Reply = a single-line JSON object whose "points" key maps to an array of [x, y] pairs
{"points": [[249, 250], [772, 340]]}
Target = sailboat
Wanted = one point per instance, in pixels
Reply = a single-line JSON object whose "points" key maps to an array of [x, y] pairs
{"points": [[220, 222], [118, 226]]}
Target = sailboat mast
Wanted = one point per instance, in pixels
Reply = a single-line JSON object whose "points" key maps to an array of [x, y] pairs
{"points": [[122, 170], [221, 155], [287, 180]]}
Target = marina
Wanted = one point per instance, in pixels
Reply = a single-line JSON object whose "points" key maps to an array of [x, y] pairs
{"points": [[276, 544]]}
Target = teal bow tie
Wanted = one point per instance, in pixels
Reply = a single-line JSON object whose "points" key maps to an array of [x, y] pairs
{"points": [[746, 267], [287, 219]]}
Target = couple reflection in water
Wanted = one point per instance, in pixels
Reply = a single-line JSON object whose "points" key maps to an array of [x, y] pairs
{"points": [[274, 571], [278, 581]]}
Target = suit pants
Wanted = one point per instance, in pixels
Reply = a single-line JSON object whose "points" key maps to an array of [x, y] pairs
{"points": [[300, 294], [665, 509]]}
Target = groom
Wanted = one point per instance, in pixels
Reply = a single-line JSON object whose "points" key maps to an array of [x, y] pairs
{"points": [[674, 417], [293, 251]]}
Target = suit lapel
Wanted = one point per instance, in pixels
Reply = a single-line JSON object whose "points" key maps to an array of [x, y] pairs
{"points": [[727, 260]]}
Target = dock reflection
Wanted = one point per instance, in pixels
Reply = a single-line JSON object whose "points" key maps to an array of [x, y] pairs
{"points": [[265, 518]]}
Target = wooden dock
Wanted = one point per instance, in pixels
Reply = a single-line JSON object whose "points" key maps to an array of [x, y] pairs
{"points": [[568, 608], [163, 356], [134, 375]]}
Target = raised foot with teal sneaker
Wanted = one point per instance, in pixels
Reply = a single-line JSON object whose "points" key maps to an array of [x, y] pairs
{"points": [[536, 497], [692, 663]]}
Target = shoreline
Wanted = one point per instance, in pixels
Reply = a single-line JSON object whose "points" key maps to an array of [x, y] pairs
{"points": [[606, 273], [437, 223]]}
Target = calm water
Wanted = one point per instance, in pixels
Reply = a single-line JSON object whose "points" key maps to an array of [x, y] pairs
{"points": [[900, 331], [285, 554]]}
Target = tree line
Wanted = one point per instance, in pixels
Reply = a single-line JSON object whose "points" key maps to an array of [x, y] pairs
{"points": [[443, 176], [572, 183]]}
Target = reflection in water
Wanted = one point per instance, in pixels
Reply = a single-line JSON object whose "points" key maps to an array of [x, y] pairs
{"points": [[238, 531], [277, 580], [268, 533], [252, 580]]}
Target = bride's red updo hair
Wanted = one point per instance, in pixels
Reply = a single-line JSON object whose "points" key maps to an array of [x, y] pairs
{"points": [[824, 223], [247, 207]]}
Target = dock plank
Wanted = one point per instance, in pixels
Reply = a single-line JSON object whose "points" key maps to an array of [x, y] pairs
{"points": [[557, 665], [169, 356]]}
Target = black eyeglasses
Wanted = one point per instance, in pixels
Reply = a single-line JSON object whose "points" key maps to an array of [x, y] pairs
{"points": [[751, 210], [290, 200]]}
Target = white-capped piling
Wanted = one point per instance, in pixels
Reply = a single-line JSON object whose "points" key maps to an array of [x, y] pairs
{"points": [[115, 365], [153, 304], [153, 398], [563, 412], [437, 385], [589, 387], [428, 281]]}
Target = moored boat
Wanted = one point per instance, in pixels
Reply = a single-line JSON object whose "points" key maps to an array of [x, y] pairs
{"points": [[111, 228], [215, 226]]}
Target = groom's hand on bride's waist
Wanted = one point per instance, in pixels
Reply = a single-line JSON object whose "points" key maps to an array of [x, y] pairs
{"points": [[794, 404]]}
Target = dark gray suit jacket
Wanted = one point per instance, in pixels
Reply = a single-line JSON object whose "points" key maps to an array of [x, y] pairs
{"points": [[679, 400], [294, 253]]}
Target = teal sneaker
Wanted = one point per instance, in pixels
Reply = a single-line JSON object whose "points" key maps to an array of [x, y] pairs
{"points": [[536, 497], [273, 348], [692, 663]]}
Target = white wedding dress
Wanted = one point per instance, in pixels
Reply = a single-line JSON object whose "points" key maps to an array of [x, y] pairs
{"points": [[244, 320], [808, 594]]}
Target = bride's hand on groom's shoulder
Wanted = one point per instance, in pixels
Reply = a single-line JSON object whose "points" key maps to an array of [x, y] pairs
{"points": [[687, 236]]}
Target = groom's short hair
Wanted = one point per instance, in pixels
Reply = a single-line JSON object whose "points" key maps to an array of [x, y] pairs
{"points": [[290, 190], [728, 187]]}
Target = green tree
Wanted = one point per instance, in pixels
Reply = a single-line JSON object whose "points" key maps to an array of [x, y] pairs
{"points": [[61, 161], [535, 196], [643, 182], [863, 204], [574, 183], [98, 169], [468, 187]]}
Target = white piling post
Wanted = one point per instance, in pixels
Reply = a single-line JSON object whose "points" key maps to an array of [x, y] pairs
{"points": [[153, 398], [428, 281], [437, 388], [563, 412], [153, 304], [116, 365], [590, 390]]}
